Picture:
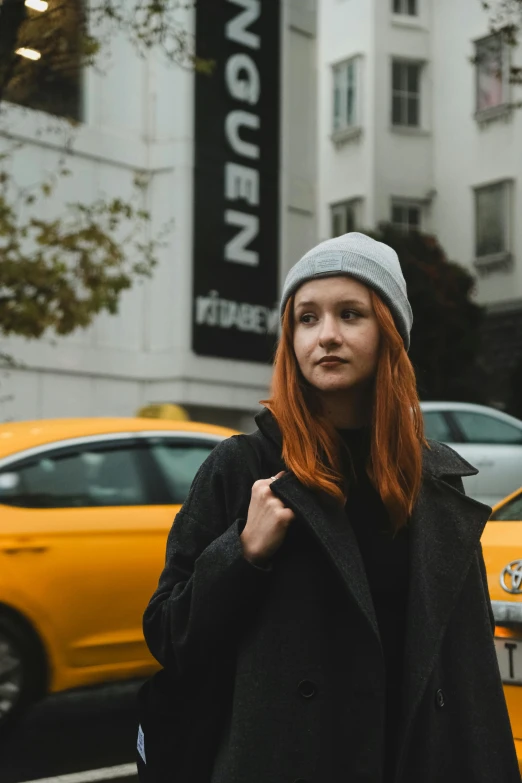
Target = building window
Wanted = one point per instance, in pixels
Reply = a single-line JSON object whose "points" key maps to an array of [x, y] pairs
{"points": [[345, 216], [407, 7], [492, 72], [42, 46], [406, 85], [345, 95], [406, 215], [492, 224]]}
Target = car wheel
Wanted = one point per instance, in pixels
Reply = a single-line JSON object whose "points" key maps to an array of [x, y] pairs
{"points": [[21, 668]]}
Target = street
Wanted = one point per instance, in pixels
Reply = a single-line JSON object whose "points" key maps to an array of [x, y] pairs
{"points": [[86, 732]]}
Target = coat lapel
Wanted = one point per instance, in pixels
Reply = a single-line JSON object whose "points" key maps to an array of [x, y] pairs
{"points": [[445, 532], [328, 522]]}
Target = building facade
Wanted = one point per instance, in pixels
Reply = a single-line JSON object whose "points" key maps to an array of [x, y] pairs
{"points": [[231, 160], [419, 127]]}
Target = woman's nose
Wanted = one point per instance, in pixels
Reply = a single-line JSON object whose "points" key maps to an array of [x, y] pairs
{"points": [[329, 331]]}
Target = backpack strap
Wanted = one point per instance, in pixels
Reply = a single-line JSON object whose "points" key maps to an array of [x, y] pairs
{"points": [[252, 455], [261, 456]]}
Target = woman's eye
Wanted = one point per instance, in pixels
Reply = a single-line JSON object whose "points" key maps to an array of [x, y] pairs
{"points": [[346, 315], [350, 315]]}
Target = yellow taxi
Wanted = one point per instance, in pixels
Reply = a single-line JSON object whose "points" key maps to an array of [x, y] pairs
{"points": [[85, 509], [502, 545]]}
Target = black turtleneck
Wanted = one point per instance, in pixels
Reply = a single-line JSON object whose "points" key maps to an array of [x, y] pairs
{"points": [[386, 560]]}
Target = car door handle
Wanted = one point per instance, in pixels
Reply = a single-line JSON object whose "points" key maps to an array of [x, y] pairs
{"points": [[485, 463], [29, 548]]}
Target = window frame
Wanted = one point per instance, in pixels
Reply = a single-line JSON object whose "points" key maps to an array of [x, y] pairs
{"points": [[403, 10], [162, 481], [405, 94], [74, 444], [407, 203], [505, 55], [503, 257], [54, 450], [355, 203], [53, 107], [347, 128]]}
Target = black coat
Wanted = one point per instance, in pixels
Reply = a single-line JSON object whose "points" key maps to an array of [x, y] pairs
{"points": [[292, 653]]}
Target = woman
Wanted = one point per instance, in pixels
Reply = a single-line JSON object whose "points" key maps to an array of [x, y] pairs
{"points": [[335, 615]]}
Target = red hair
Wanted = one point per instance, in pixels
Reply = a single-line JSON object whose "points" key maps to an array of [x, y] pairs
{"points": [[311, 445]]}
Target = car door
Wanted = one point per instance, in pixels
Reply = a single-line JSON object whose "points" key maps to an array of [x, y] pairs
{"points": [[502, 547], [84, 542], [495, 448]]}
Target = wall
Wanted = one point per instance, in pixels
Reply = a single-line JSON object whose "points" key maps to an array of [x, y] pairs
{"points": [[139, 115], [438, 164], [299, 121], [403, 156], [345, 29], [468, 154]]}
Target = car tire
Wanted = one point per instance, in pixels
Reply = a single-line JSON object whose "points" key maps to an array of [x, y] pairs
{"points": [[22, 668]]}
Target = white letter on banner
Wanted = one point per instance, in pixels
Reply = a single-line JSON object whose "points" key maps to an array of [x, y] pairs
{"points": [[233, 122], [236, 249], [242, 78], [235, 29], [241, 182], [207, 309]]}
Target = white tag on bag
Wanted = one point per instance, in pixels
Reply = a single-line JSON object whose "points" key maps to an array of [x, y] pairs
{"points": [[141, 744]]}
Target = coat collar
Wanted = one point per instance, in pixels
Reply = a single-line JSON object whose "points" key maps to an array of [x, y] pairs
{"points": [[439, 460], [445, 531]]}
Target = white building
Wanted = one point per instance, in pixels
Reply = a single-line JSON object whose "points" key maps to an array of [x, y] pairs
{"points": [[139, 114], [417, 127]]}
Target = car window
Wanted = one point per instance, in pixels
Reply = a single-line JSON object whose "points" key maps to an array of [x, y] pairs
{"points": [[511, 511], [87, 476], [436, 426], [481, 428], [179, 462]]}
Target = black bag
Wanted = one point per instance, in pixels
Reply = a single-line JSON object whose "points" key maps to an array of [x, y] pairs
{"points": [[180, 723]]}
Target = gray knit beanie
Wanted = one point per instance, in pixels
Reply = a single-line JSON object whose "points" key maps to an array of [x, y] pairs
{"points": [[363, 258]]}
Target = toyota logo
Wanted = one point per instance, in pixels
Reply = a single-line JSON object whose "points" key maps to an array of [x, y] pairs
{"points": [[511, 577]]}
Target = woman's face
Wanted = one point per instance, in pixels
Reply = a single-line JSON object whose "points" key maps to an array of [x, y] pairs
{"points": [[336, 334]]}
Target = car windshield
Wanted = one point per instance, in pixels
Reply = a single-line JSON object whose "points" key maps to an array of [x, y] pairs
{"points": [[511, 511]]}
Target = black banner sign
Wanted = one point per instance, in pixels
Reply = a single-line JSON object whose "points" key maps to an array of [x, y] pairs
{"points": [[236, 180]]}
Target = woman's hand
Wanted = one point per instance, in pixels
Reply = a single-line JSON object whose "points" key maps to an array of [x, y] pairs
{"points": [[267, 522]]}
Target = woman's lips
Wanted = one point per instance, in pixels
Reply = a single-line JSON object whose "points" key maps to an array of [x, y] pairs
{"points": [[333, 362]]}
